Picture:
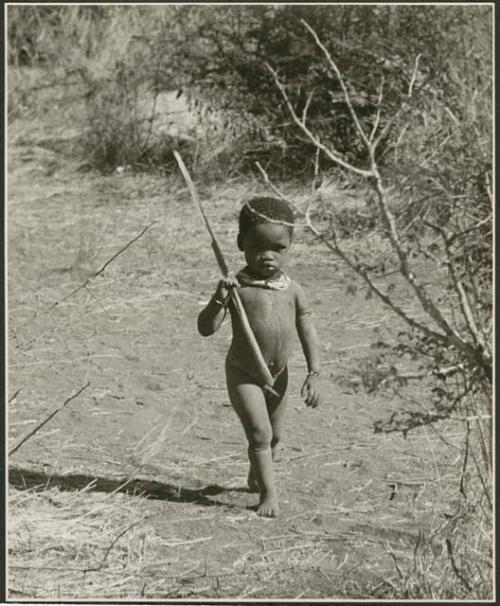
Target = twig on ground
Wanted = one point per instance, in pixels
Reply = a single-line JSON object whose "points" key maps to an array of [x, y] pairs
{"points": [[31, 432], [122, 250], [91, 276], [12, 398], [112, 544]]}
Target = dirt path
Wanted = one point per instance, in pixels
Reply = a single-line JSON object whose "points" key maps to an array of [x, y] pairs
{"points": [[156, 412]]}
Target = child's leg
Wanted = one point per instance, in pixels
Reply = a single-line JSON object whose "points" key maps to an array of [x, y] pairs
{"points": [[276, 408], [249, 403]]}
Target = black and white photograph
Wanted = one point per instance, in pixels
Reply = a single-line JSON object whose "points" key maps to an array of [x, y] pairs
{"points": [[249, 302]]}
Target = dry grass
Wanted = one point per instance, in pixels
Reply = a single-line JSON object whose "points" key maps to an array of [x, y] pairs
{"points": [[136, 538]]}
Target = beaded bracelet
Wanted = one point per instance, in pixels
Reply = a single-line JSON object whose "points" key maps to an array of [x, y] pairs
{"points": [[313, 373], [221, 303]]}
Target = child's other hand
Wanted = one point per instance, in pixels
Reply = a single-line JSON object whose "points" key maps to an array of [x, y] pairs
{"points": [[310, 391], [223, 288]]}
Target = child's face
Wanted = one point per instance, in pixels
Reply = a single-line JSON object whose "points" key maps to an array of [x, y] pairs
{"points": [[266, 248]]}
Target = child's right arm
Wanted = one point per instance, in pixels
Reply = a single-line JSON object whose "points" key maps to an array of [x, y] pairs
{"points": [[212, 316]]}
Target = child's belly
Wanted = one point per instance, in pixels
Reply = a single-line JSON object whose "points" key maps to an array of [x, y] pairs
{"points": [[271, 315]]}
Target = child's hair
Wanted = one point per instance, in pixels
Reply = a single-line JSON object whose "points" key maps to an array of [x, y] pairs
{"points": [[261, 209]]}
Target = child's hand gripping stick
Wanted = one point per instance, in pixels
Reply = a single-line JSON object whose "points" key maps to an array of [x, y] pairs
{"points": [[267, 379]]}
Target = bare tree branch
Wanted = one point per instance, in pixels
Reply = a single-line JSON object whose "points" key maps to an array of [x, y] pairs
{"points": [[347, 97], [459, 287], [426, 302], [332, 154], [306, 106], [414, 75], [453, 237], [379, 109], [334, 247]]}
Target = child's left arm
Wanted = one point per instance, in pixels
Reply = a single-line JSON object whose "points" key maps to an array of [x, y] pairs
{"points": [[310, 345]]}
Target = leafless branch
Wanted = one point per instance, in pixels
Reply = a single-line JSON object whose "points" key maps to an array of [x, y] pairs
{"points": [[347, 97], [379, 109], [425, 300], [45, 420], [385, 131], [389, 219], [489, 191], [453, 237], [459, 288], [414, 75], [333, 154], [315, 178], [306, 106], [122, 250], [91, 276]]}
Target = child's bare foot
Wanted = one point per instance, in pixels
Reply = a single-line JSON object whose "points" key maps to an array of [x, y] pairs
{"points": [[268, 506], [253, 485]]}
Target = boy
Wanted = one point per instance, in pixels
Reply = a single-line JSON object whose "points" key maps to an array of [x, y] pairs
{"points": [[276, 307]]}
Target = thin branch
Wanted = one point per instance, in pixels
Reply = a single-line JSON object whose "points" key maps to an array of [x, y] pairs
{"points": [[387, 128], [122, 250], [414, 75], [426, 302], [347, 97], [465, 461], [45, 420], [379, 109], [306, 106], [112, 544], [489, 191], [453, 237], [90, 277], [332, 154], [12, 398], [468, 315], [314, 183], [459, 288]]}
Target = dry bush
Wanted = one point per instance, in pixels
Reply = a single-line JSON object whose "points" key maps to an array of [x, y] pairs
{"points": [[108, 56], [447, 334]]}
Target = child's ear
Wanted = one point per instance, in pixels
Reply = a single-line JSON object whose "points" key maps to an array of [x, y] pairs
{"points": [[239, 241]]}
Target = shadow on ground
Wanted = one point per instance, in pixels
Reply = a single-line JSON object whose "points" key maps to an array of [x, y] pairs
{"points": [[24, 479]]}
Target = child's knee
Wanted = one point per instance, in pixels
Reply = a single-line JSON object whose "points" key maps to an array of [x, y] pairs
{"points": [[260, 439]]}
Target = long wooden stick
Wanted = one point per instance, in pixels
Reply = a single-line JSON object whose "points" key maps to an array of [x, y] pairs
{"points": [[264, 372], [39, 425]]}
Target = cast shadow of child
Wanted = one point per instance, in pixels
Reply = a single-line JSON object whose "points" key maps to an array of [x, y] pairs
{"points": [[24, 479]]}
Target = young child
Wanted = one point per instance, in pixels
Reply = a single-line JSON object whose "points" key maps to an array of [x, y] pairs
{"points": [[276, 307]]}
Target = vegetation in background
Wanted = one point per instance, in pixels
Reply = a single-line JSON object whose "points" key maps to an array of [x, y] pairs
{"points": [[215, 57]]}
